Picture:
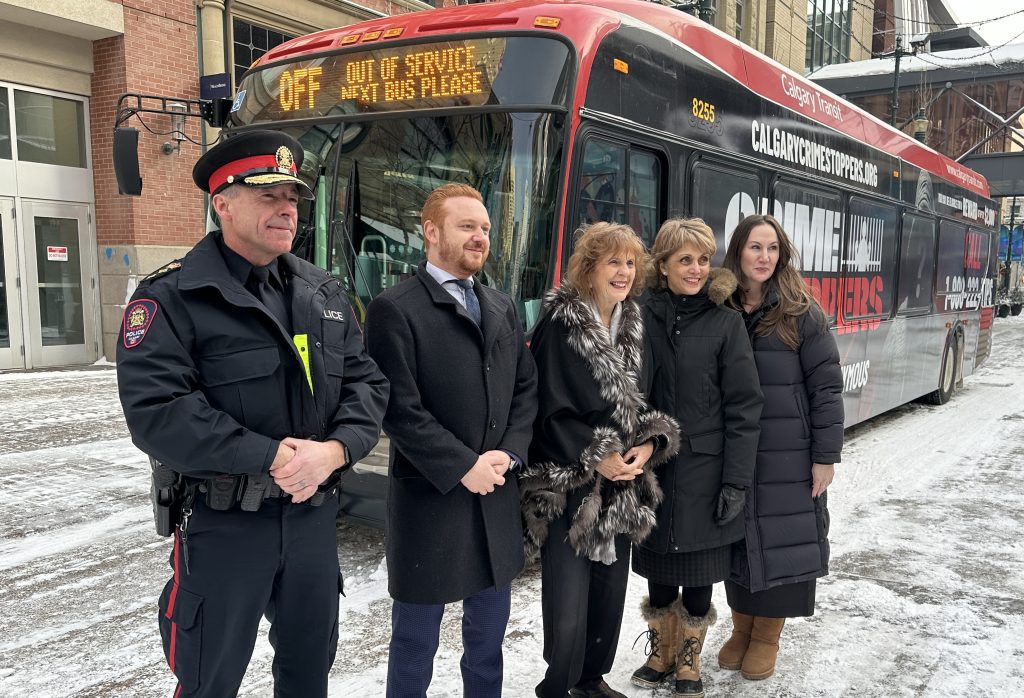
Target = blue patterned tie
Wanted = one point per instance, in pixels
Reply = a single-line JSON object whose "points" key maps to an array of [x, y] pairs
{"points": [[472, 303]]}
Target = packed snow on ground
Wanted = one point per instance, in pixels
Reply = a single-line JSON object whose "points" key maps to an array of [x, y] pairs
{"points": [[924, 599]]}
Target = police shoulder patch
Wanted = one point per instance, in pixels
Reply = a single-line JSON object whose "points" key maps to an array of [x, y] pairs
{"points": [[163, 271], [138, 316]]}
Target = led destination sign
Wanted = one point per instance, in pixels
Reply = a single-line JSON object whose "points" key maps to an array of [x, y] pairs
{"points": [[438, 75]]}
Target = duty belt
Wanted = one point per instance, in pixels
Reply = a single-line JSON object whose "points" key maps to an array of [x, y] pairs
{"points": [[247, 492]]}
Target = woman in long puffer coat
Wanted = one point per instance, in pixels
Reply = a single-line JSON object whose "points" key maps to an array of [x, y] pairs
{"points": [[786, 544]]}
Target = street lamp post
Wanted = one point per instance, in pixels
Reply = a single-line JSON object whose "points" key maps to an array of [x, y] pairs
{"points": [[897, 53]]}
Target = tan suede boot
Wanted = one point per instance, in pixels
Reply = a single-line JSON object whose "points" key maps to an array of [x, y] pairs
{"points": [[731, 654], [692, 632], [662, 632], [759, 661]]}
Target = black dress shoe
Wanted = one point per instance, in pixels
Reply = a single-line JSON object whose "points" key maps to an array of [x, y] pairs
{"points": [[595, 690]]}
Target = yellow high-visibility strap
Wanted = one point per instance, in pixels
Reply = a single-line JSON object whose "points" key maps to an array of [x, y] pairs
{"points": [[301, 342]]}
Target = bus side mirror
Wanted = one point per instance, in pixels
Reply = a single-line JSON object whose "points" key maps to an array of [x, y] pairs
{"points": [[126, 161]]}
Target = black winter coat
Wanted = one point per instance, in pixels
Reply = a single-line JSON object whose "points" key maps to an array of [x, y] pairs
{"points": [[458, 390], [703, 374], [206, 388], [801, 424], [590, 405]]}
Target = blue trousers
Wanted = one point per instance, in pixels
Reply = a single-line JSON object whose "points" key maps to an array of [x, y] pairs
{"points": [[415, 632]]}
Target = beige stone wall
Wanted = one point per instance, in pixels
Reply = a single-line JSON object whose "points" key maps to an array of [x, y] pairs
{"points": [[41, 58], [86, 19], [786, 32], [862, 26], [753, 31]]}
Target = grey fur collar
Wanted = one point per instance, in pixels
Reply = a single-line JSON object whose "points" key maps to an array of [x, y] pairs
{"points": [[610, 508], [616, 369]]}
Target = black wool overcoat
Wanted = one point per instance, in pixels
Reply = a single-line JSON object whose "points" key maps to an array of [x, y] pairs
{"points": [[702, 373], [801, 424], [456, 391]]}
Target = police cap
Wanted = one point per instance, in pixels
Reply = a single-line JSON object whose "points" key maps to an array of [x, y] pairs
{"points": [[254, 158]]}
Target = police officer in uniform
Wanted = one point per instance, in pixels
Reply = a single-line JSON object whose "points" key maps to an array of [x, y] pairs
{"points": [[242, 369]]}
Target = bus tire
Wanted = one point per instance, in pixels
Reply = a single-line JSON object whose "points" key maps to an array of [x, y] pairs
{"points": [[947, 378]]}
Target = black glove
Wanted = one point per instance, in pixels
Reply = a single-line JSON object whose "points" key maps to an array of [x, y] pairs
{"points": [[730, 503]]}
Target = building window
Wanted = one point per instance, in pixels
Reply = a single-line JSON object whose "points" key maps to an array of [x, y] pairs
{"points": [[51, 130], [829, 33], [250, 42], [740, 19], [5, 134]]}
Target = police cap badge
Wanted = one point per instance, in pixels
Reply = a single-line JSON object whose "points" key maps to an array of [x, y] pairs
{"points": [[254, 158]]}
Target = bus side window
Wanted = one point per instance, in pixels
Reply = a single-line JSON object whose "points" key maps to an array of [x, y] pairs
{"points": [[950, 271], [917, 262], [620, 184], [722, 197], [869, 259], [602, 183], [813, 219], [644, 187]]}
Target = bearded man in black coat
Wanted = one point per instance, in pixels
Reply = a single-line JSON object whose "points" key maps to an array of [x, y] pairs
{"points": [[461, 415]]}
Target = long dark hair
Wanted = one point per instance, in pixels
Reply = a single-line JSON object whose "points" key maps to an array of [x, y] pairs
{"points": [[794, 298]]}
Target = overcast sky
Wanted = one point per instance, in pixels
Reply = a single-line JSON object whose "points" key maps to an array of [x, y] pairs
{"points": [[1010, 29]]}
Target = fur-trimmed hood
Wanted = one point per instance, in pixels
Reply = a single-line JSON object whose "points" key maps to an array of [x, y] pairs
{"points": [[609, 508], [721, 284]]}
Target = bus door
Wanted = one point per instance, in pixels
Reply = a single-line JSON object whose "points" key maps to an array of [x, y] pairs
{"points": [[616, 182]]}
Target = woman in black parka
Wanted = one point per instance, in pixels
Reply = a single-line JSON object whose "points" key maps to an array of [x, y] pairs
{"points": [[702, 373], [786, 545]]}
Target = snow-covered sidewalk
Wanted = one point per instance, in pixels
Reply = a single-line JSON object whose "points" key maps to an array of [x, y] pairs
{"points": [[926, 595]]}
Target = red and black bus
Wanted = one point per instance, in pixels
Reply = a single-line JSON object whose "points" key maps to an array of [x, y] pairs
{"points": [[564, 112]]}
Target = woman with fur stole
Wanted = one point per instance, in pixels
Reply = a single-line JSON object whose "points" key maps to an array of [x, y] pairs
{"points": [[705, 377], [589, 489]]}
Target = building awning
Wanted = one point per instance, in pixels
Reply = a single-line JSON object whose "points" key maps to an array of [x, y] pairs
{"points": [[1004, 171]]}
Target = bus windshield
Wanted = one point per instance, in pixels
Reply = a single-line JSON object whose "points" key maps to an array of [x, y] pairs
{"points": [[374, 162]]}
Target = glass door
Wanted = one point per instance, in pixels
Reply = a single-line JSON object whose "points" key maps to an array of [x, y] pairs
{"points": [[61, 284], [12, 346]]}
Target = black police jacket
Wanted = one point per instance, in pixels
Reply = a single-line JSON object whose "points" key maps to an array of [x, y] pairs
{"points": [[207, 377]]}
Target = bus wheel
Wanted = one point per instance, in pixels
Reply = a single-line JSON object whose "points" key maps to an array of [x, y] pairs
{"points": [[947, 381]]}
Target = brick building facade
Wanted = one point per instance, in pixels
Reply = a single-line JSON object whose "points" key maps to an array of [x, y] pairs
{"points": [[71, 248]]}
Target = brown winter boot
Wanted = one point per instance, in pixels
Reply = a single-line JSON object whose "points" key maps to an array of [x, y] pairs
{"points": [[662, 633], [692, 632], [731, 654], [759, 661]]}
